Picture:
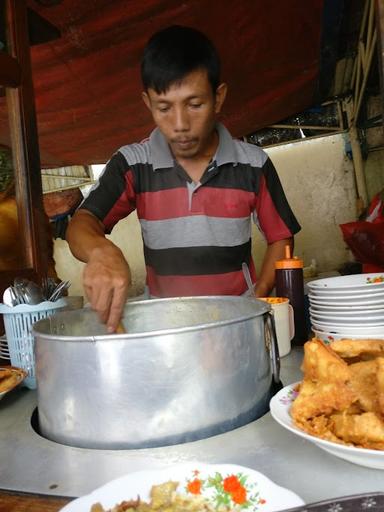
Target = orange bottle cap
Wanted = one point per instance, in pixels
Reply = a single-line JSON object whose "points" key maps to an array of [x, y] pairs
{"points": [[288, 261]]}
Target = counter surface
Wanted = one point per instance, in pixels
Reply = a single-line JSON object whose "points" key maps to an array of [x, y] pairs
{"points": [[30, 463]]}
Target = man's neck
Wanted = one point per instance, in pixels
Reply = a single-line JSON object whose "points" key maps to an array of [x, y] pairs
{"points": [[196, 166]]}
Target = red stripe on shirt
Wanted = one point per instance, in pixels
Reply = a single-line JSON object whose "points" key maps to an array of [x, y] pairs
{"points": [[271, 224], [231, 283], [210, 201]]}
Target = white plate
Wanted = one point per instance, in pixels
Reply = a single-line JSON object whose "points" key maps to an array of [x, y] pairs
{"points": [[354, 323], [327, 294], [351, 306], [343, 318], [263, 494], [367, 298], [348, 328], [329, 337], [354, 282], [364, 313], [280, 406]]}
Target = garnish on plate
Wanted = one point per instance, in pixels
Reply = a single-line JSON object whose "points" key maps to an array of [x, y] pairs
{"points": [[373, 280], [231, 492]]}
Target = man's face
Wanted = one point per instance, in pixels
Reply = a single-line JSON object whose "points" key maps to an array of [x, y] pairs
{"points": [[186, 114]]}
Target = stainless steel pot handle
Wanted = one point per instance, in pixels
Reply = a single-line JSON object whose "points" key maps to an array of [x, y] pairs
{"points": [[272, 346]]}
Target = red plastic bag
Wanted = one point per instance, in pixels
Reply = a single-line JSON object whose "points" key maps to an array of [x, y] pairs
{"points": [[375, 211], [366, 240]]}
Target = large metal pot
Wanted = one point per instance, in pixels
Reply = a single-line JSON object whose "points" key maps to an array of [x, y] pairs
{"points": [[186, 369]]}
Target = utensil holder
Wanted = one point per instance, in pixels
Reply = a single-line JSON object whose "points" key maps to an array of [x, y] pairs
{"points": [[18, 321]]}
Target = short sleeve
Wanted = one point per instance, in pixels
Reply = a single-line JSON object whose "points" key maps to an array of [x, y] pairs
{"points": [[113, 197], [273, 214]]}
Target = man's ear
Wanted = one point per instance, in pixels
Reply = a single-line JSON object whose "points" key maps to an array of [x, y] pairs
{"points": [[221, 93], [146, 100]]}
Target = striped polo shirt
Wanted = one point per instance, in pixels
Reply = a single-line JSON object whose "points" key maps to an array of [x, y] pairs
{"points": [[196, 235]]}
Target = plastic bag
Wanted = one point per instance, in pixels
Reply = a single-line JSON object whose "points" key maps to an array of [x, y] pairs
{"points": [[366, 241], [365, 238]]}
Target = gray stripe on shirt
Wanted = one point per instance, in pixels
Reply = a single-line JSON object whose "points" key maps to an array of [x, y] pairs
{"points": [[137, 153], [250, 154], [195, 231]]}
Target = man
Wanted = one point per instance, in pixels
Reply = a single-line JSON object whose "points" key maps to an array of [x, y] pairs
{"points": [[194, 187]]}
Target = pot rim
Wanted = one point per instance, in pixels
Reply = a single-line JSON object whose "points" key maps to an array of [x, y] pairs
{"points": [[264, 307]]}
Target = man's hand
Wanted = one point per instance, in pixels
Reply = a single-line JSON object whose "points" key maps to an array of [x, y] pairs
{"points": [[106, 275], [107, 278]]}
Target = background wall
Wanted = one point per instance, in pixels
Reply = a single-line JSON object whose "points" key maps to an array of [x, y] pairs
{"points": [[374, 139], [319, 183], [318, 180]]}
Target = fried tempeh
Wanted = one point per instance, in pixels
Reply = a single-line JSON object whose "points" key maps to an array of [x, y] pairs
{"points": [[321, 363], [8, 379], [363, 349], [341, 397], [364, 383], [380, 383], [325, 387], [366, 429]]}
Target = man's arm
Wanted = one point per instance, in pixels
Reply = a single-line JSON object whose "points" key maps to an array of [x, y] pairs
{"points": [[107, 276], [275, 251]]}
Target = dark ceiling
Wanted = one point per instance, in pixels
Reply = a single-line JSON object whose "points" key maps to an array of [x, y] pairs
{"points": [[87, 83]]}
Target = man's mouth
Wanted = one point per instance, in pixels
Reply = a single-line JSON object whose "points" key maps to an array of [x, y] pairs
{"points": [[184, 143]]}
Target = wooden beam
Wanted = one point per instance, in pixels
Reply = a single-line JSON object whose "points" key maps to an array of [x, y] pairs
{"points": [[380, 39], [10, 72], [24, 137], [39, 29], [306, 127]]}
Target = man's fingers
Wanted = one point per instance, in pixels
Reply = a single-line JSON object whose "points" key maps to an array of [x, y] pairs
{"points": [[107, 278], [102, 303], [100, 299], [117, 307]]}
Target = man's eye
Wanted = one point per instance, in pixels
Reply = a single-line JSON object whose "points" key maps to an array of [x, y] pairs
{"points": [[163, 109], [196, 105]]}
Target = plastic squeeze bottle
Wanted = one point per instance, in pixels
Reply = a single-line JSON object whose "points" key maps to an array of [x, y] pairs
{"points": [[290, 284]]}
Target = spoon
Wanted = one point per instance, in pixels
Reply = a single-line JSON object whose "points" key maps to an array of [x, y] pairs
{"points": [[8, 297], [33, 293], [59, 290], [248, 279]]}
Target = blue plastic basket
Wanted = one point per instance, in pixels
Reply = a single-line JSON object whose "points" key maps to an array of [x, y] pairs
{"points": [[18, 322]]}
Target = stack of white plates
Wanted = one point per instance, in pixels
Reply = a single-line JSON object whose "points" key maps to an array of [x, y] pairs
{"points": [[347, 306]]}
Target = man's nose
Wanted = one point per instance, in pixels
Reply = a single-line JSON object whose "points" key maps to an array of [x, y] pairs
{"points": [[181, 120]]}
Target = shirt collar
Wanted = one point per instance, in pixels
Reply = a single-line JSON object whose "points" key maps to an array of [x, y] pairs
{"points": [[162, 156]]}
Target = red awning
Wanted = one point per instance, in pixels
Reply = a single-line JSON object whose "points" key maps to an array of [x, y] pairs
{"points": [[87, 83]]}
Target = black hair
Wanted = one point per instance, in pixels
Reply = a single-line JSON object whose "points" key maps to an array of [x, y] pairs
{"points": [[173, 53]]}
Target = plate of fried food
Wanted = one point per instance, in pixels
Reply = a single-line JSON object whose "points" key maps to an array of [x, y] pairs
{"points": [[339, 404], [193, 487], [10, 377]]}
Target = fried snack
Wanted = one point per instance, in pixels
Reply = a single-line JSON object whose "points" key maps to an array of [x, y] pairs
{"points": [[362, 349], [325, 387], [165, 499], [364, 383], [161, 495], [380, 383], [323, 364], [341, 397], [8, 379], [365, 430]]}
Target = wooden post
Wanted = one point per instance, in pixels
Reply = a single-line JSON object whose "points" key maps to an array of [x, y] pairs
{"points": [[380, 40], [25, 146]]}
